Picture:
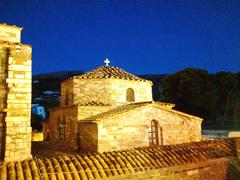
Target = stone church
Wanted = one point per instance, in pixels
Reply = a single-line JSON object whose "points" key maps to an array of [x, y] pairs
{"points": [[110, 109]]}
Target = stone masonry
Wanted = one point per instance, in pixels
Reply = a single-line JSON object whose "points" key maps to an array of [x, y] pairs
{"points": [[130, 129], [15, 95], [107, 91]]}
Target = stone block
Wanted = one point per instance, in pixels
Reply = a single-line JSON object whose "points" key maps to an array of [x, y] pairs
{"points": [[24, 68], [232, 134]]}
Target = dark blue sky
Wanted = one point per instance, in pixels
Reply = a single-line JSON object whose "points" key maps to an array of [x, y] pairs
{"points": [[142, 37]]}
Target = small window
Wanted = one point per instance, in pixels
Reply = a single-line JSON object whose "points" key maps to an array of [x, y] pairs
{"points": [[67, 98], [62, 129], [153, 133], [130, 96]]}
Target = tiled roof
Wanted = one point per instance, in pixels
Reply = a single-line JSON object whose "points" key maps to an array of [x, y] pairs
{"points": [[117, 163], [128, 107], [176, 111], [117, 110], [109, 72], [90, 103], [93, 103]]}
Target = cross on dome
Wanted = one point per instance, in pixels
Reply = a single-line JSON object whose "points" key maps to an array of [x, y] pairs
{"points": [[106, 61]]}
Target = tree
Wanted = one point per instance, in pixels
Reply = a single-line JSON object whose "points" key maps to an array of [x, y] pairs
{"points": [[215, 97], [190, 89], [225, 85]]}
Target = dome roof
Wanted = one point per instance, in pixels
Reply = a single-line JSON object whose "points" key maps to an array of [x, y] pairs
{"points": [[109, 72]]}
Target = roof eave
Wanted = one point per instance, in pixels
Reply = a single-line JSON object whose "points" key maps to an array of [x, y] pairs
{"points": [[179, 112]]}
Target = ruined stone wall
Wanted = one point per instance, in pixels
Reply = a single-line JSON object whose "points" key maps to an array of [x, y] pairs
{"points": [[131, 129], [3, 95], [67, 93], [15, 104], [111, 91], [88, 137], [69, 131], [10, 33]]}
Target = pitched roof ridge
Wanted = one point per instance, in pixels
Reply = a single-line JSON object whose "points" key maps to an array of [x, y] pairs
{"points": [[94, 103], [163, 103], [183, 114], [117, 110], [108, 72]]}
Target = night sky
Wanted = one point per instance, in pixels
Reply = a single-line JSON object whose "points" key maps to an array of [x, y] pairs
{"points": [[142, 37]]}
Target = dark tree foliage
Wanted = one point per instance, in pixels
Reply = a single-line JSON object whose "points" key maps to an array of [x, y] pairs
{"points": [[50, 102], [214, 97]]}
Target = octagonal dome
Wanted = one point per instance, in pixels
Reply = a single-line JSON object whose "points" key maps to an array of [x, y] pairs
{"points": [[110, 72]]}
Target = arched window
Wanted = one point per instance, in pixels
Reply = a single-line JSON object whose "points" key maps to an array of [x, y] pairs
{"points": [[58, 128], [62, 129], [153, 133], [130, 96]]}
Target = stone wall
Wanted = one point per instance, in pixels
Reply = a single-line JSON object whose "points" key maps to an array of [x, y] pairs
{"points": [[111, 91], [69, 129], [177, 127], [10, 33], [88, 137], [128, 130], [67, 93], [3, 96], [15, 106], [72, 115]]}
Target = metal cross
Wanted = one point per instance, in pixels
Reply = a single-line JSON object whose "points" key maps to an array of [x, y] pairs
{"points": [[106, 61]]}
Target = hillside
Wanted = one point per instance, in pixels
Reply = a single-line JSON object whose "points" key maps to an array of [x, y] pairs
{"points": [[61, 75], [50, 81]]}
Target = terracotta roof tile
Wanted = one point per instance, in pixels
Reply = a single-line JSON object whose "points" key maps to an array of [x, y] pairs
{"points": [[109, 72], [93, 103], [102, 165], [128, 107], [90, 103], [117, 110]]}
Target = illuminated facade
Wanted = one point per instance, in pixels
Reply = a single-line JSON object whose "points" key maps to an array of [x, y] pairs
{"points": [[15, 95], [110, 109]]}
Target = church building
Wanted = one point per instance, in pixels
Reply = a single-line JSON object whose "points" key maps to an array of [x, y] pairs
{"points": [[110, 109]]}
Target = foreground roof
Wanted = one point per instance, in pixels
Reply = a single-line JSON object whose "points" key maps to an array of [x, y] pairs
{"points": [[108, 164], [109, 72]]}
